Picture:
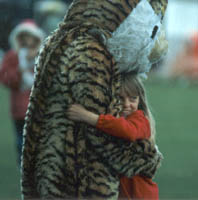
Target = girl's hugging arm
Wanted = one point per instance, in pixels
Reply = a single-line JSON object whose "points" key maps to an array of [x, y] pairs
{"points": [[135, 126], [128, 158]]}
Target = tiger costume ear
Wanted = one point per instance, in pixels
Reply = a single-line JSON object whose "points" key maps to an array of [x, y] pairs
{"points": [[160, 48]]}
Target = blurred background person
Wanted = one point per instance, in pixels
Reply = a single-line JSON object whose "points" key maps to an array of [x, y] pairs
{"points": [[16, 72], [185, 63], [11, 13], [49, 13], [46, 13]]}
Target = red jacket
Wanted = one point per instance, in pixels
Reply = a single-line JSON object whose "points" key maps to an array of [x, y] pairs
{"points": [[135, 126], [10, 76]]}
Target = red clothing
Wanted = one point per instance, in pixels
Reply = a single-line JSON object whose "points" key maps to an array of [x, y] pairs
{"points": [[10, 76], [135, 126], [138, 187]]}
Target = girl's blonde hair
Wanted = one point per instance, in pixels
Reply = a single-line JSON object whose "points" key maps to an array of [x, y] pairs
{"points": [[132, 84]]}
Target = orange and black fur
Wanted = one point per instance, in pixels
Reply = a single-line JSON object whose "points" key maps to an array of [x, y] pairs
{"points": [[63, 159]]}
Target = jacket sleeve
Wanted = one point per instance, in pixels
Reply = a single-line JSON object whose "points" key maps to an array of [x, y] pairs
{"points": [[10, 76], [136, 126]]}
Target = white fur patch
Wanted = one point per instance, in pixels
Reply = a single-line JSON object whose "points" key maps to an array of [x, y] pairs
{"points": [[131, 42]]}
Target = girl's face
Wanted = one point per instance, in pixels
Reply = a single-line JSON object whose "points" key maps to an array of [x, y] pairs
{"points": [[129, 103]]}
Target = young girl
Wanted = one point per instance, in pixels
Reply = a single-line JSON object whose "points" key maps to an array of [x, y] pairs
{"points": [[135, 122]]}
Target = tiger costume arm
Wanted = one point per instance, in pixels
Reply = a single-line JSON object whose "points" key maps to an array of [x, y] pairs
{"points": [[128, 158]]}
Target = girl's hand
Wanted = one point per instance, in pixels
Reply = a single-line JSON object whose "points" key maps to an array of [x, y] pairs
{"points": [[77, 112]]}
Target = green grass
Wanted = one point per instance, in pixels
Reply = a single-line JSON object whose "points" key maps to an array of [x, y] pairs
{"points": [[175, 109], [9, 171]]}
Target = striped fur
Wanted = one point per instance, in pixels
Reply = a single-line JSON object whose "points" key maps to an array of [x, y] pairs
{"points": [[63, 159]]}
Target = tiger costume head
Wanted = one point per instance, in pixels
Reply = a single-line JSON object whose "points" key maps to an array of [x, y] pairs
{"points": [[135, 36]]}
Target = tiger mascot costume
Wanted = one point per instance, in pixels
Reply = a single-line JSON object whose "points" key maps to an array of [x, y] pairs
{"points": [[80, 63]]}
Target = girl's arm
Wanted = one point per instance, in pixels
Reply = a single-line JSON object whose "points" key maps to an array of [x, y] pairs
{"points": [[136, 126], [78, 113], [121, 155]]}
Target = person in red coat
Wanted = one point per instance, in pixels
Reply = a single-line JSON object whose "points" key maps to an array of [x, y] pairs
{"points": [[16, 72], [185, 64], [135, 122]]}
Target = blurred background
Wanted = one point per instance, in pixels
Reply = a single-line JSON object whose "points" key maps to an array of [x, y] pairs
{"points": [[172, 89]]}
